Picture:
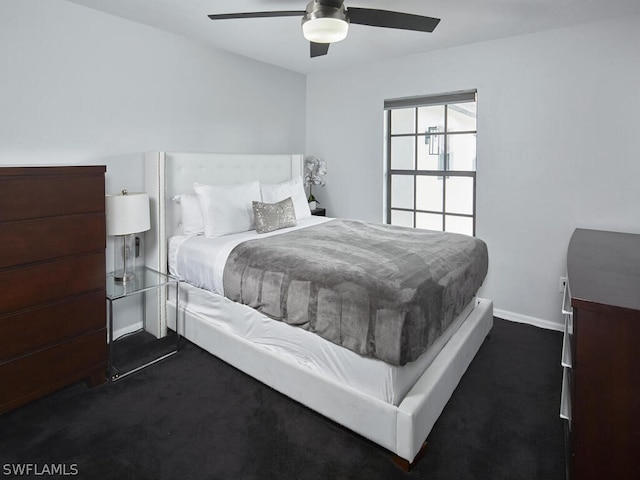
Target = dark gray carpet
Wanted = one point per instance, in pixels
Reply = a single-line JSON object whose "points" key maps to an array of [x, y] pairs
{"points": [[194, 417], [139, 348]]}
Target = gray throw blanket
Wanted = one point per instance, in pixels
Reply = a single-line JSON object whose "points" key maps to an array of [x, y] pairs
{"points": [[382, 291]]}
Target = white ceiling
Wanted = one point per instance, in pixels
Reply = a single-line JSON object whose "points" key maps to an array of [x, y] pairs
{"points": [[279, 41]]}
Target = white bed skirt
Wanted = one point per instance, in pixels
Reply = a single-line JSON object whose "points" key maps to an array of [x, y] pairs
{"points": [[401, 429], [371, 376]]}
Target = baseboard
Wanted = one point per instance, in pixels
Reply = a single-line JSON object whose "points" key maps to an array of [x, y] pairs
{"points": [[536, 322]]}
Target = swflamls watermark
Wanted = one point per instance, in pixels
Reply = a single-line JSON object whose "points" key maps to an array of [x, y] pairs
{"points": [[39, 470]]}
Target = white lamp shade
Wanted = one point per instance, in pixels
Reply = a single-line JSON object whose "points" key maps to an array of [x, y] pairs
{"points": [[127, 213], [325, 30]]}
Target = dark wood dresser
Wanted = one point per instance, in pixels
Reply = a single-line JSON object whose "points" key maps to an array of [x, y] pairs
{"points": [[604, 378], [52, 280]]}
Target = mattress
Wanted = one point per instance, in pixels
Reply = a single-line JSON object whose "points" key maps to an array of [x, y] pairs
{"points": [[200, 262]]}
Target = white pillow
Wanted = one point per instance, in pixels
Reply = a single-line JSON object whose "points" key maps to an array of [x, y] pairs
{"points": [[276, 192], [190, 214], [227, 208]]}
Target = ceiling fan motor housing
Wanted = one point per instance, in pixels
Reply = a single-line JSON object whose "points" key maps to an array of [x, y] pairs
{"points": [[324, 23]]}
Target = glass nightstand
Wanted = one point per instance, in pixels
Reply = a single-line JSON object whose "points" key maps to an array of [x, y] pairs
{"points": [[145, 339]]}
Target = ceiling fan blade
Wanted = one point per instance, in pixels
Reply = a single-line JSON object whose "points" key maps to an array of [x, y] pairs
{"points": [[386, 18], [331, 3], [284, 13], [319, 49]]}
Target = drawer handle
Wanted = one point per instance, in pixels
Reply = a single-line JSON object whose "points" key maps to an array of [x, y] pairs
{"points": [[565, 400], [566, 300], [566, 346]]}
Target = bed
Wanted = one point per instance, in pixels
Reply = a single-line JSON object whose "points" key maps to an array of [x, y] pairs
{"points": [[394, 405]]}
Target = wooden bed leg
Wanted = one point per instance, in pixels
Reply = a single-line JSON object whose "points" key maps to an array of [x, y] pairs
{"points": [[407, 465]]}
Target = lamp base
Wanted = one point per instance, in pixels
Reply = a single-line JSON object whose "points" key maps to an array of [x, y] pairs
{"points": [[128, 277], [124, 258]]}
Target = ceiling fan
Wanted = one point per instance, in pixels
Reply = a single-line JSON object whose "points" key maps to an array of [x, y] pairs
{"points": [[327, 21]]}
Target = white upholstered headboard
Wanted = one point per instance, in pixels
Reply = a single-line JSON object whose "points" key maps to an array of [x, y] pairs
{"points": [[168, 174]]}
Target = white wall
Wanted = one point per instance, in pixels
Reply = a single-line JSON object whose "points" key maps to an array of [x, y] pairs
{"points": [[82, 87], [558, 116], [558, 146]]}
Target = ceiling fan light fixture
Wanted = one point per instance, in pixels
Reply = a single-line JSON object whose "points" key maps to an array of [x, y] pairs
{"points": [[325, 29]]}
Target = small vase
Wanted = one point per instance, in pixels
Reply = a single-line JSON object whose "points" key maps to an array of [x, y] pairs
{"points": [[313, 205]]}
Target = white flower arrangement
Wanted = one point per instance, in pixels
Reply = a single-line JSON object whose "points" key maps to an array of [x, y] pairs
{"points": [[314, 171]]}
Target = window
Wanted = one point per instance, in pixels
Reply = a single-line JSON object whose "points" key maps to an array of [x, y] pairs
{"points": [[431, 162]]}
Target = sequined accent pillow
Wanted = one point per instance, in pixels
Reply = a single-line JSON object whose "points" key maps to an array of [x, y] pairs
{"points": [[274, 216]]}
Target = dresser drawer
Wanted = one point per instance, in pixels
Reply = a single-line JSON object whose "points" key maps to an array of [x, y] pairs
{"points": [[35, 329], [44, 238], [34, 375], [45, 282], [48, 191]]}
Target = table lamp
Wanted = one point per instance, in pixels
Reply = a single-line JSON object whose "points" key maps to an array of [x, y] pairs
{"points": [[127, 214]]}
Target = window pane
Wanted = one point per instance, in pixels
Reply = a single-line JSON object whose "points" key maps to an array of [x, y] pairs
{"points": [[462, 152], [430, 152], [429, 193], [459, 195], [431, 117], [462, 225], [461, 117], [403, 153], [402, 191], [403, 120], [429, 221], [402, 218]]}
